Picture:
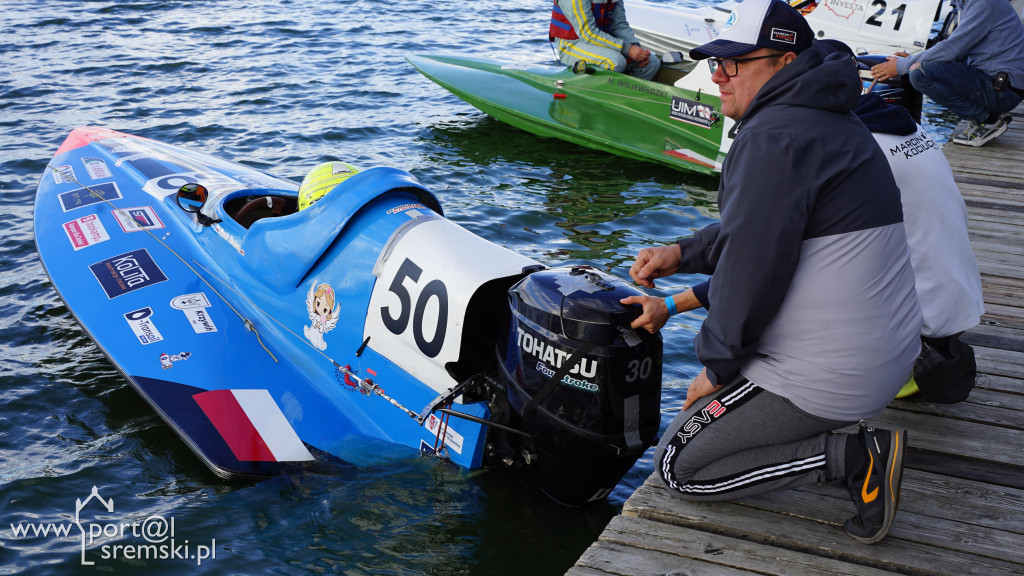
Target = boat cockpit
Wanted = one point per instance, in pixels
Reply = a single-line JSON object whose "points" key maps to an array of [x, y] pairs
{"points": [[248, 209]]}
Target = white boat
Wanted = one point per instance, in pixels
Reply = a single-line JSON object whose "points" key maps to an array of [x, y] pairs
{"points": [[867, 26]]}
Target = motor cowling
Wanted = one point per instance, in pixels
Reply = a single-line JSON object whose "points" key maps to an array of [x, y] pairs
{"points": [[585, 386]]}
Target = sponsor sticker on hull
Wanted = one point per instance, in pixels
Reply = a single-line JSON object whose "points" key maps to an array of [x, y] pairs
{"points": [[141, 321], [85, 231], [80, 197], [692, 112], [64, 174], [452, 439], [194, 306], [137, 219], [96, 168], [127, 272]]}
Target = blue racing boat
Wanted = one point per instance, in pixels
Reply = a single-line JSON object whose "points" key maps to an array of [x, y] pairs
{"points": [[362, 327]]}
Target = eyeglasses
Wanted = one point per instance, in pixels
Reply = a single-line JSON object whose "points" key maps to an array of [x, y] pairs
{"points": [[731, 66]]}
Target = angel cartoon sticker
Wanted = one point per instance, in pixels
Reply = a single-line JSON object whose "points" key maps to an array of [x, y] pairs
{"points": [[323, 314]]}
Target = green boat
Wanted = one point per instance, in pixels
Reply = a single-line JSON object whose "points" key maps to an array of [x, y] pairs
{"points": [[673, 120]]}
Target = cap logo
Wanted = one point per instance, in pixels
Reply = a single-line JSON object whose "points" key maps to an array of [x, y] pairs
{"points": [[787, 36], [731, 21]]}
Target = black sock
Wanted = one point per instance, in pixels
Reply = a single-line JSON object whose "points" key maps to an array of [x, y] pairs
{"points": [[856, 463], [992, 118]]}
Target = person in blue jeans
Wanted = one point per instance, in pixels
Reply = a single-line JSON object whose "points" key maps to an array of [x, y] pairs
{"points": [[977, 73]]}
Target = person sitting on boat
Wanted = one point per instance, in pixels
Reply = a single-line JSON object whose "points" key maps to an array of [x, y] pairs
{"points": [[977, 72], [813, 322], [805, 7], [596, 33]]}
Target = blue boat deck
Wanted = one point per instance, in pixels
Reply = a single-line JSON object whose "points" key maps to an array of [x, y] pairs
{"points": [[962, 506]]}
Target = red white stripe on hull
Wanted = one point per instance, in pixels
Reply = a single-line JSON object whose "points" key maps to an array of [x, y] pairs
{"points": [[691, 156], [253, 425]]}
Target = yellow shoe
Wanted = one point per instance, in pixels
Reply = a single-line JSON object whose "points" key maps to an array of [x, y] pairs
{"points": [[909, 389]]}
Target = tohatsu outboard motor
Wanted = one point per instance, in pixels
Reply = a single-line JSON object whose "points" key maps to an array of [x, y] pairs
{"points": [[581, 383]]}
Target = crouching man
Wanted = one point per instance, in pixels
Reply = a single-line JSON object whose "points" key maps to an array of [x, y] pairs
{"points": [[813, 322]]}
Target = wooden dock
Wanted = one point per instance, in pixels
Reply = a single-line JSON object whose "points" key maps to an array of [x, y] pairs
{"points": [[962, 505]]}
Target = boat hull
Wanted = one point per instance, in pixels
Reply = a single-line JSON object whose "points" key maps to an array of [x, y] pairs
{"points": [[362, 328], [866, 26], [677, 126], [212, 324]]}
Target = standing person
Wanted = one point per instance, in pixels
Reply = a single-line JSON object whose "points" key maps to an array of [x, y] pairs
{"points": [[977, 73], [596, 33], [813, 321]]}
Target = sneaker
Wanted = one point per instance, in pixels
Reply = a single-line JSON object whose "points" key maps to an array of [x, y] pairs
{"points": [[978, 134], [908, 390], [877, 495], [960, 131]]}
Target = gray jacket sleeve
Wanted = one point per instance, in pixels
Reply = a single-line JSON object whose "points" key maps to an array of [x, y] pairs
{"points": [[975, 25], [621, 29]]}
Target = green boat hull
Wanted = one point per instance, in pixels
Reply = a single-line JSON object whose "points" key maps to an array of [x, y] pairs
{"points": [[604, 110]]}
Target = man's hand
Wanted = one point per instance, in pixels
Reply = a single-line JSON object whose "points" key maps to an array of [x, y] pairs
{"points": [[655, 313], [885, 70], [639, 55], [699, 388], [653, 263]]}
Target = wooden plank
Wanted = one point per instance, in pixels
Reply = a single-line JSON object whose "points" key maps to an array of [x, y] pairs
{"points": [[997, 223], [1001, 258], [974, 470], [999, 170], [996, 361], [1002, 172], [975, 235], [1017, 286], [995, 335], [973, 198], [983, 162], [982, 407], [994, 194], [613, 559], [985, 213], [999, 384], [1000, 332], [960, 438], [925, 538], [985, 246], [679, 550], [998, 293], [1001, 270]]}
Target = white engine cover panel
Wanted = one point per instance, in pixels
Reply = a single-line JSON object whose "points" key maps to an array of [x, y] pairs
{"points": [[426, 276]]}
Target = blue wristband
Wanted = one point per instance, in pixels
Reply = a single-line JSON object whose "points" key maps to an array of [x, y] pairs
{"points": [[671, 306]]}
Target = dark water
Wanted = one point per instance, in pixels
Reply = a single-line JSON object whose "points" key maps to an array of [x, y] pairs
{"points": [[282, 86]]}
